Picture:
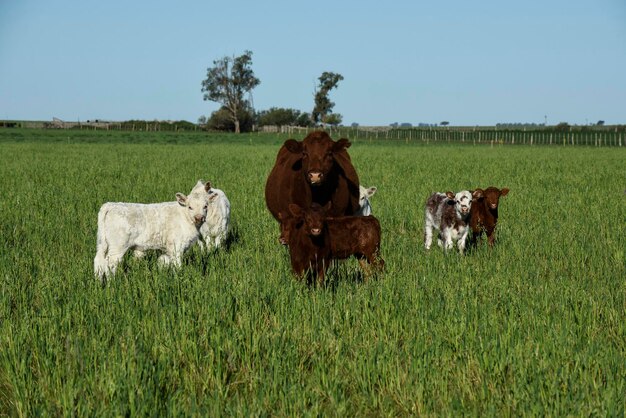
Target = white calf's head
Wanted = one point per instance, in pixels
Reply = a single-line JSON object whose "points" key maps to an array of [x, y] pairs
{"points": [[365, 208], [196, 202], [462, 201]]}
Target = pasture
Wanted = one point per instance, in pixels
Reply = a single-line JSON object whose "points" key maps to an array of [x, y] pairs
{"points": [[537, 326]]}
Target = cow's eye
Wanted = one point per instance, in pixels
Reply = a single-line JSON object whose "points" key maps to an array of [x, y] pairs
{"points": [[206, 206], [189, 207]]}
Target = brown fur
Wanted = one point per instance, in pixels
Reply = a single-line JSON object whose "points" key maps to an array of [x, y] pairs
{"points": [[344, 237], [484, 216], [316, 156]]}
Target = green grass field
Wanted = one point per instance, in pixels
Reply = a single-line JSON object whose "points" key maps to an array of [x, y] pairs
{"points": [[535, 327]]}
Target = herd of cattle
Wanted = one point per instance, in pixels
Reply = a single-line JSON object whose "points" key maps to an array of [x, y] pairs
{"points": [[313, 191]]}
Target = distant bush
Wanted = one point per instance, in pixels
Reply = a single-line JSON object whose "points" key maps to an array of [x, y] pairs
{"points": [[220, 120]]}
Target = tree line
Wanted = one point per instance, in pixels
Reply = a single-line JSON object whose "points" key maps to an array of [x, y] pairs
{"points": [[230, 82]]}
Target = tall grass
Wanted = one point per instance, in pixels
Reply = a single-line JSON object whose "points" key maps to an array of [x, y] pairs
{"points": [[534, 327]]}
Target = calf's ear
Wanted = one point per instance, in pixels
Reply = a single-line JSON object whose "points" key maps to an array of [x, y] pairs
{"points": [[342, 144], [181, 199], [477, 193], [295, 210], [207, 186], [371, 191], [293, 146], [327, 207], [504, 191], [450, 195]]}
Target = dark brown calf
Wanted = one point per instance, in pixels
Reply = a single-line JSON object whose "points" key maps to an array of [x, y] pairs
{"points": [[308, 240], [345, 236], [484, 215]]}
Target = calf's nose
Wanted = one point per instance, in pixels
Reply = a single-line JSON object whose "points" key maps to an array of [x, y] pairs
{"points": [[199, 219], [315, 176]]}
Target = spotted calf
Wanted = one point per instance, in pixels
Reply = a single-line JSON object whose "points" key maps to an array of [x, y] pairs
{"points": [[450, 215]]}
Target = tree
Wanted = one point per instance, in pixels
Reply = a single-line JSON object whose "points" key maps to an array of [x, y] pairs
{"points": [[221, 120], [278, 116], [334, 119], [228, 81], [323, 106], [445, 123], [600, 123], [304, 120]]}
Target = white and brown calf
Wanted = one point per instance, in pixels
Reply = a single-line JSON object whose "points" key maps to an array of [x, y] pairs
{"points": [[450, 215]]}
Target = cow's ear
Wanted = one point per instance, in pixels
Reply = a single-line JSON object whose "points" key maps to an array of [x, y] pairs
{"points": [[504, 192], [207, 186], [371, 191], [342, 144], [295, 210], [450, 195], [293, 146], [478, 193], [181, 199]]}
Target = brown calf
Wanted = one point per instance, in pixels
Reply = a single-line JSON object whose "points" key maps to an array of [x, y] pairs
{"points": [[484, 215], [345, 236]]}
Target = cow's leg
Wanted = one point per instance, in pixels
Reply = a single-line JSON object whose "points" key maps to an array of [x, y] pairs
{"points": [[428, 233], [447, 238], [461, 242], [164, 260], [217, 241], [114, 258], [491, 237]]}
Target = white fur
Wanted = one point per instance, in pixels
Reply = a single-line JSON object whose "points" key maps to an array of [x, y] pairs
{"points": [[170, 227], [365, 208], [215, 229], [453, 228]]}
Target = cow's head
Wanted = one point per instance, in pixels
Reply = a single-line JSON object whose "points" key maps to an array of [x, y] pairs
{"points": [[365, 208], [196, 202], [312, 219], [288, 223], [318, 153], [492, 196], [463, 200]]}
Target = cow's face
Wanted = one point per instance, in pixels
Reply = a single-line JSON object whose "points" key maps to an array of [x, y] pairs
{"points": [[364, 204], [196, 203], [462, 201], [492, 196], [312, 219], [317, 154]]}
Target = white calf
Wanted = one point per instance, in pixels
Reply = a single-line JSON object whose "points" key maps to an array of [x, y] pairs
{"points": [[365, 208], [448, 213], [170, 227], [214, 230]]}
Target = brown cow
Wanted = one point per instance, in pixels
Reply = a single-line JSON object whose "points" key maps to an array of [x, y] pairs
{"points": [[315, 170], [484, 215], [347, 236]]}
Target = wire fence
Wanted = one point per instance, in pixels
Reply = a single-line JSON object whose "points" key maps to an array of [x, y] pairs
{"points": [[601, 137]]}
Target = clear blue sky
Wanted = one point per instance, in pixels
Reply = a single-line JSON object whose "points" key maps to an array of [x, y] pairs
{"points": [[470, 63]]}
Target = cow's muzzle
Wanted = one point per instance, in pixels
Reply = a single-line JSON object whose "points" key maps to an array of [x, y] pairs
{"points": [[315, 177]]}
